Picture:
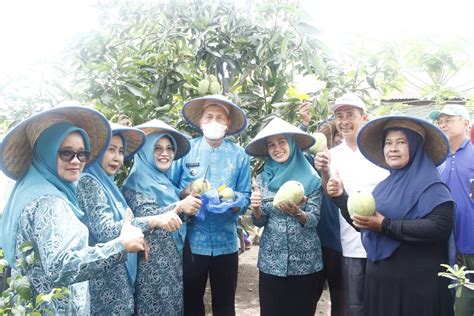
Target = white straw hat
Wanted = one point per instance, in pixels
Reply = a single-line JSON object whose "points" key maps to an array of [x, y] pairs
{"points": [[370, 138], [135, 138], [158, 126], [258, 146], [17, 147], [192, 112]]}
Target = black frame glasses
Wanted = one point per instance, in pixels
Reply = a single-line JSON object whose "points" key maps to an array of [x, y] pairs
{"points": [[68, 155]]}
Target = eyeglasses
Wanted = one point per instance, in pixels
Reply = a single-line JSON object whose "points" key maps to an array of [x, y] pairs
{"points": [[67, 155], [169, 150]]}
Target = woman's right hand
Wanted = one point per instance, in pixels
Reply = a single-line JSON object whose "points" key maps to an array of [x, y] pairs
{"points": [[189, 205], [256, 197], [169, 221], [131, 237]]}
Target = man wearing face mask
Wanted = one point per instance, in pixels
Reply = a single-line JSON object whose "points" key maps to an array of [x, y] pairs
{"points": [[212, 244]]}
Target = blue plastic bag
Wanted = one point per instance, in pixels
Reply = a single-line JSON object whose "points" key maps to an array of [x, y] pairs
{"points": [[212, 203]]}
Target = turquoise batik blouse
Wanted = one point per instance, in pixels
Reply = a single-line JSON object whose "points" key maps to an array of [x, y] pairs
{"points": [[111, 291], [63, 258], [227, 164], [288, 248], [159, 285]]}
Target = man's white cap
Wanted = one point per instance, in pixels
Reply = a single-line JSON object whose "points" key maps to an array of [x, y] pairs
{"points": [[348, 99]]}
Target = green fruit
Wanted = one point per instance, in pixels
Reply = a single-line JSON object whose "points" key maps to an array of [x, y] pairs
{"points": [[200, 185], [320, 145], [215, 87], [227, 194], [361, 203], [290, 191], [212, 78], [203, 86]]}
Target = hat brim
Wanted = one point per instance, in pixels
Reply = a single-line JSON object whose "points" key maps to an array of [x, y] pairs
{"points": [[158, 126], [370, 138], [17, 146], [258, 146], [192, 112], [135, 139]]}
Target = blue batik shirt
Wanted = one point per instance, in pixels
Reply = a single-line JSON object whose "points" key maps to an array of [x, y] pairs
{"points": [[456, 172], [227, 164]]}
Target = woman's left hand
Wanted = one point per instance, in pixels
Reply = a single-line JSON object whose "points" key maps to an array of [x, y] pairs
{"points": [[373, 222], [292, 209]]}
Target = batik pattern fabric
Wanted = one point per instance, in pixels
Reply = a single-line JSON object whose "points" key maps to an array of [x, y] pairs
{"points": [[159, 284], [62, 255], [111, 291], [287, 247]]}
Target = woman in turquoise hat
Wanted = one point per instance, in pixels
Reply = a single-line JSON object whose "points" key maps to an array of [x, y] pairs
{"points": [[290, 258], [104, 208], [149, 192], [46, 155]]}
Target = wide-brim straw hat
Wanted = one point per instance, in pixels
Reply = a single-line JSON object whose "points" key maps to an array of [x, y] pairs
{"points": [[258, 146], [158, 126], [193, 109], [17, 146], [370, 138], [134, 137]]}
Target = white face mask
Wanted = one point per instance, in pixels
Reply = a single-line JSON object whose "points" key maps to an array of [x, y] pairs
{"points": [[213, 130]]}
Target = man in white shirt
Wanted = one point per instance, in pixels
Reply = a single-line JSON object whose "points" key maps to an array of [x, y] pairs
{"points": [[346, 162]]}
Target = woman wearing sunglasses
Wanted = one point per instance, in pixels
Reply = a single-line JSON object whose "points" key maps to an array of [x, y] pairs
{"points": [[104, 207], [149, 191], [46, 155]]}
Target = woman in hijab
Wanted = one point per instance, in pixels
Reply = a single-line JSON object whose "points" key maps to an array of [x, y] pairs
{"points": [[148, 191], [104, 208], [410, 234], [43, 211], [290, 260]]}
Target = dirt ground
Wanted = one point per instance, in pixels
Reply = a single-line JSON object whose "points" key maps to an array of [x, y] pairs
{"points": [[246, 301]]}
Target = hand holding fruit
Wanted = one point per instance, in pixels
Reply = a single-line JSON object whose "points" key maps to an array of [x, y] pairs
{"points": [[335, 186], [321, 161], [372, 222], [305, 112], [131, 237]]}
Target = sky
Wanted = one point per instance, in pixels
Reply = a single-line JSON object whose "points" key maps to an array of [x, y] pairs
{"points": [[32, 31]]}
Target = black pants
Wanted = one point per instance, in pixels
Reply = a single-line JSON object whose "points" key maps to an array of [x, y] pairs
{"points": [[332, 272], [291, 295], [354, 278], [222, 271]]}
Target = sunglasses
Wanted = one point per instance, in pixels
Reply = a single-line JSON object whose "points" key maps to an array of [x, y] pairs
{"points": [[67, 155]]}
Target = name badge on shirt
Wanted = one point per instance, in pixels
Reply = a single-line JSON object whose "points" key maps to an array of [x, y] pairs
{"points": [[192, 164]]}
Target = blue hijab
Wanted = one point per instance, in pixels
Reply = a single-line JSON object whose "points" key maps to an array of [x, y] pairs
{"points": [[117, 202], [295, 168], [41, 179], [400, 195], [146, 178]]}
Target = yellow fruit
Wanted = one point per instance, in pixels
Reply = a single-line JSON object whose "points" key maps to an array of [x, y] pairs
{"points": [[320, 145], [215, 87], [290, 191], [362, 203], [212, 78], [203, 87], [227, 194], [221, 187], [200, 185]]}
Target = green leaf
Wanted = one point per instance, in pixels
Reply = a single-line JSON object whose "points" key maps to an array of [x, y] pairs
{"points": [[135, 90], [26, 246]]}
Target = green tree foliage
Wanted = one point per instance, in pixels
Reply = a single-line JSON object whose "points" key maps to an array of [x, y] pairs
{"points": [[147, 59]]}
